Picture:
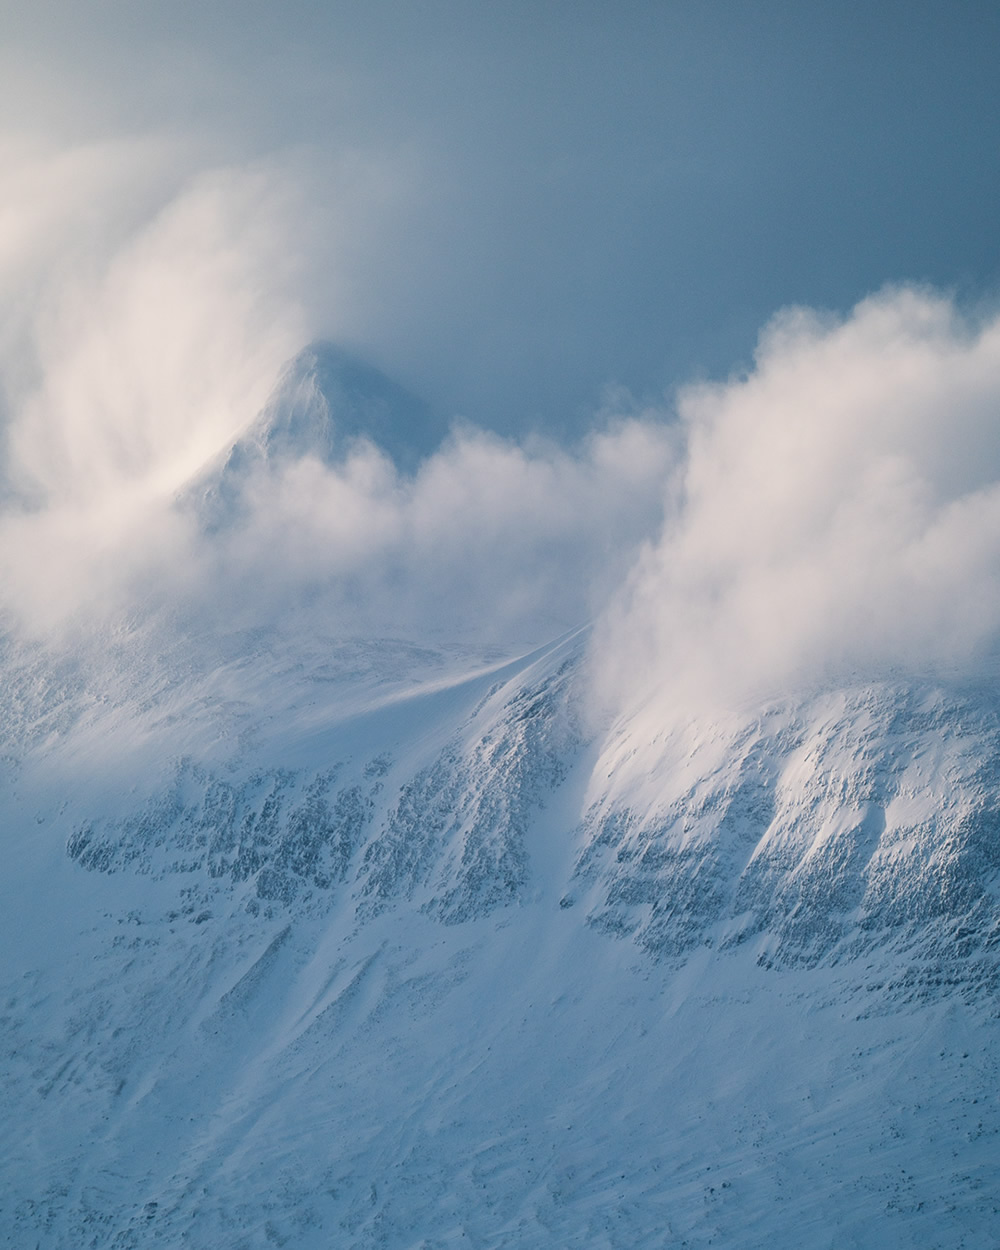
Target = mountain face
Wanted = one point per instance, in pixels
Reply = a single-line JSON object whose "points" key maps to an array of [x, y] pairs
{"points": [[855, 821], [313, 940], [425, 960]]}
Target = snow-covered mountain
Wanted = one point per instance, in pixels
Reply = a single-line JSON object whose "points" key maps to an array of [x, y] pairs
{"points": [[318, 941], [325, 401]]}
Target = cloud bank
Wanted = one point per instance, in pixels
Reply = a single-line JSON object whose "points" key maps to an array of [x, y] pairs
{"points": [[836, 515], [832, 513]]}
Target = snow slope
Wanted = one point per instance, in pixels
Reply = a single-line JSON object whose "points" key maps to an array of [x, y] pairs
{"points": [[398, 952]]}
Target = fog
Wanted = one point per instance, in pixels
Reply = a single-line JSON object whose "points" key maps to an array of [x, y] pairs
{"points": [[157, 328], [565, 228]]}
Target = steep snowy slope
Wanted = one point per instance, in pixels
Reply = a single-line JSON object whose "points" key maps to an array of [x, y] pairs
{"points": [[396, 949], [819, 832]]}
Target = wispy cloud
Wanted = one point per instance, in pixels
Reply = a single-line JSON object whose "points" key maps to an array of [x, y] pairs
{"points": [[152, 331]]}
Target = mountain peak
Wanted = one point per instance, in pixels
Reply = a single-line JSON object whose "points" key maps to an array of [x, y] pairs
{"points": [[325, 400]]}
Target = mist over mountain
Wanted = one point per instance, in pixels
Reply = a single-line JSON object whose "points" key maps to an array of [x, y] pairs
{"points": [[325, 401], [415, 836], [499, 625]]}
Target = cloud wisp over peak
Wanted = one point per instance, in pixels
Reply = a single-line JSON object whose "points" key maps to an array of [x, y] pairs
{"points": [[832, 513], [510, 216]]}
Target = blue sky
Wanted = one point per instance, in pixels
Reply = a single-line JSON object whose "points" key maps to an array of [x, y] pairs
{"points": [[579, 194]]}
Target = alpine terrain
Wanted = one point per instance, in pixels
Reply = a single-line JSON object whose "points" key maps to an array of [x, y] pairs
{"points": [[317, 937]]}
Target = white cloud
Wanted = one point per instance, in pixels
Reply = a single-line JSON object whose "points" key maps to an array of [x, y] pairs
{"points": [[152, 295], [838, 513], [491, 539], [837, 510], [149, 304], [151, 329]]}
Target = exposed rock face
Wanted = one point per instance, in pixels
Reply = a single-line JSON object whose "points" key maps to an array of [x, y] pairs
{"points": [[453, 835], [817, 832], [820, 832], [273, 829]]}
